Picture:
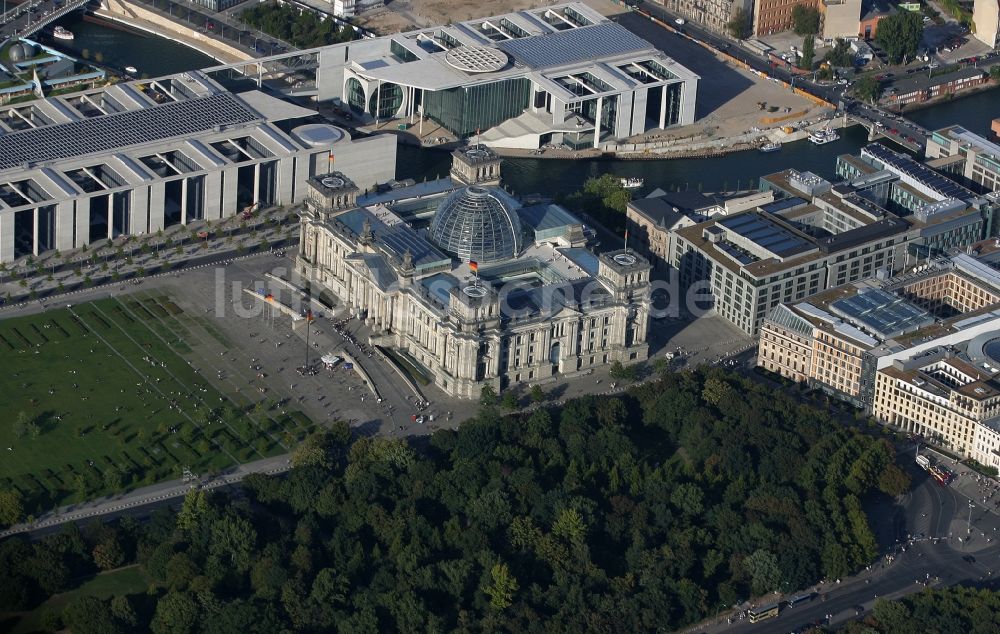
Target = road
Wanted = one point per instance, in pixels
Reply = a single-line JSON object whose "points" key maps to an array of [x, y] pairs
{"points": [[670, 39], [26, 18]]}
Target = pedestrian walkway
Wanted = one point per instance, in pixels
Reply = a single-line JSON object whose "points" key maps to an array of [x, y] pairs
{"points": [[147, 495]]}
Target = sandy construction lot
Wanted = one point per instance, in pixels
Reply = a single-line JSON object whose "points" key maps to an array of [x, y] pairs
{"points": [[401, 15]]}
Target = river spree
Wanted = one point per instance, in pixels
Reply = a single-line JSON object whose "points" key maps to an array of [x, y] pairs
{"points": [[155, 56], [119, 47]]}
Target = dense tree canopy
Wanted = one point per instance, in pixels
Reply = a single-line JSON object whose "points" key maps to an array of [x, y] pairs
{"points": [[899, 35], [629, 513], [605, 198], [949, 610], [841, 53], [300, 28]]}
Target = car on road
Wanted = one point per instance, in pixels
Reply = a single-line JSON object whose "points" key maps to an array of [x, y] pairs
{"points": [[680, 21], [911, 139], [859, 610], [893, 131], [969, 559]]}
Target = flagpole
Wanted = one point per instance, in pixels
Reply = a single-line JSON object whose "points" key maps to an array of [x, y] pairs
{"points": [[626, 241], [308, 320]]}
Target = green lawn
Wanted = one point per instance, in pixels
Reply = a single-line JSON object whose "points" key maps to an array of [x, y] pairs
{"points": [[110, 388], [123, 581]]}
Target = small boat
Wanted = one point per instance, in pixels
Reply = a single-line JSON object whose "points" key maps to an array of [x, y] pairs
{"points": [[826, 135], [131, 70], [61, 33], [632, 183], [770, 147]]}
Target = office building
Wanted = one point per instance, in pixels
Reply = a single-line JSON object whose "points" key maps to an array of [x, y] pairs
{"points": [[654, 220], [970, 156], [986, 18], [835, 340], [947, 389], [137, 157], [467, 286], [892, 212], [562, 74]]}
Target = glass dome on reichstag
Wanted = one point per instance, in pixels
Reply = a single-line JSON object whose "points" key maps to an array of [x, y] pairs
{"points": [[478, 223]]}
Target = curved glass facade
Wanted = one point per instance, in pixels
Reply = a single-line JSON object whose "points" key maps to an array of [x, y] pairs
{"points": [[355, 95], [479, 224], [389, 98]]}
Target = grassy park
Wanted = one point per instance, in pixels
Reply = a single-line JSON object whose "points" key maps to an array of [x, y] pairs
{"points": [[104, 396]]}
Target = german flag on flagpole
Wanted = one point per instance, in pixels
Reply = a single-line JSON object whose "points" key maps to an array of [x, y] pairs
{"points": [[474, 266], [309, 316]]}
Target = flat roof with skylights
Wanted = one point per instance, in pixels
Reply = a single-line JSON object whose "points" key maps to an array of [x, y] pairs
{"points": [[123, 129]]}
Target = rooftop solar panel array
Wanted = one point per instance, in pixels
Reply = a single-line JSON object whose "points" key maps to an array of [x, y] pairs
{"points": [[123, 129], [607, 39], [766, 234], [918, 171], [882, 312]]}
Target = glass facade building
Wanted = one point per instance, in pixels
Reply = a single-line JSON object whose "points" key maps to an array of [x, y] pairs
{"points": [[465, 109], [478, 224]]}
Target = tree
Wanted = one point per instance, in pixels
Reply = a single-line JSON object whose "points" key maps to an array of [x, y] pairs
{"points": [[537, 393], [899, 35], [995, 72], [108, 554], [868, 89], [487, 396], [808, 52], [11, 507], [841, 53], [176, 613], [621, 372], [765, 576], [502, 587], [122, 610], [314, 451], [509, 401], [805, 20], [193, 510], [739, 25], [89, 615]]}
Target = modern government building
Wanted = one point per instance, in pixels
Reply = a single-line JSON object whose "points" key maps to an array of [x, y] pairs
{"points": [[469, 287], [559, 74], [139, 156]]}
